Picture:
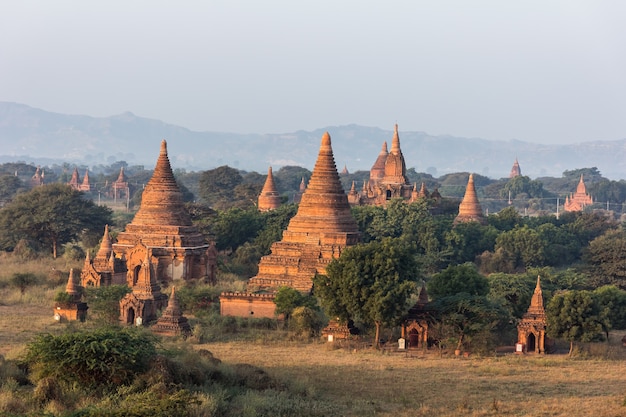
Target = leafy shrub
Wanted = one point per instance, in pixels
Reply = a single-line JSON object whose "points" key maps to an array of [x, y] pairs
{"points": [[23, 280], [63, 298], [104, 302], [100, 358], [73, 252], [305, 320]]}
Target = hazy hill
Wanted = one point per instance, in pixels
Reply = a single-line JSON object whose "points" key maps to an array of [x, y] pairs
{"points": [[38, 136]]}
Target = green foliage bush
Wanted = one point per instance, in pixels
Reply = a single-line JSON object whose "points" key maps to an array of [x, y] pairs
{"points": [[104, 302], [103, 357], [23, 280]]}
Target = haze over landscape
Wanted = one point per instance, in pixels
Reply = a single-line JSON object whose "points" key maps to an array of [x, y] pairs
{"points": [[535, 71]]}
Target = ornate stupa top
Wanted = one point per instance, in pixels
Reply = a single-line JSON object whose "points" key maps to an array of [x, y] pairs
{"points": [[580, 188], [395, 167], [269, 199], [377, 172]]}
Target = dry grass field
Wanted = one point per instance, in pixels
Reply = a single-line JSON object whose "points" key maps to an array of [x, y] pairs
{"points": [[368, 383]]}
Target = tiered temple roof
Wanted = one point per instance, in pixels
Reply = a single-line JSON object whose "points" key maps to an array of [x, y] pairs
{"points": [[387, 179], [470, 209], [318, 232], [578, 200], [269, 199]]}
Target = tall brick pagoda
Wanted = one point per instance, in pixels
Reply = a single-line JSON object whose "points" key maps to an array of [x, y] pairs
{"points": [[317, 234], [470, 209], [269, 199], [177, 250]]}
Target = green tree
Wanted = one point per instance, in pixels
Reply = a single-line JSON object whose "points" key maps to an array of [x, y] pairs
{"points": [[216, 186], [369, 282], [523, 246], [613, 299], [458, 279], [23, 280], [414, 225], [9, 186], [288, 299], [606, 259], [465, 316], [468, 240], [506, 219], [576, 317], [513, 290], [53, 214], [233, 227], [522, 185], [104, 302]]}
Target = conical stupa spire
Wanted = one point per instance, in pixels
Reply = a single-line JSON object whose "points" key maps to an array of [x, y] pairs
{"points": [[121, 177], [324, 206], [395, 142], [72, 288], [470, 209], [86, 178], [536, 302], [269, 199], [75, 178], [106, 246], [422, 298], [173, 308], [395, 167], [162, 201], [580, 188], [423, 191]]}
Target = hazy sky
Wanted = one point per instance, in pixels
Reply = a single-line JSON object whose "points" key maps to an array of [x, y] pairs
{"points": [[537, 71]]}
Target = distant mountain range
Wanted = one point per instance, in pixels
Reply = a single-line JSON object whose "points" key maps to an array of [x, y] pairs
{"points": [[33, 135]]}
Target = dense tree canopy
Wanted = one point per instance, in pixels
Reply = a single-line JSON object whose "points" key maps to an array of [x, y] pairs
{"points": [[369, 282], [606, 259], [577, 317], [51, 214], [457, 279]]}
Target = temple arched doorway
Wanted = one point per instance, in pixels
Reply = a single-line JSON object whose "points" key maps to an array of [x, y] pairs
{"points": [[130, 316], [531, 343], [414, 338]]}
